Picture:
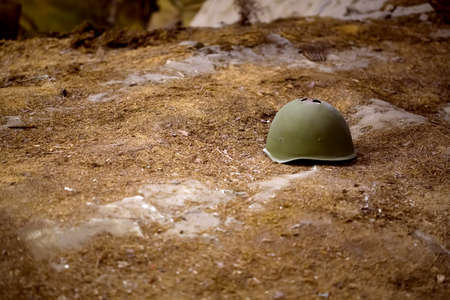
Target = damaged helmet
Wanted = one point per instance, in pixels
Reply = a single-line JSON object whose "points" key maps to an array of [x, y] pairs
{"points": [[309, 129]]}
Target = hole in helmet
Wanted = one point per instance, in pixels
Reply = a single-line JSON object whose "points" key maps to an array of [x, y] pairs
{"points": [[303, 99], [316, 101]]}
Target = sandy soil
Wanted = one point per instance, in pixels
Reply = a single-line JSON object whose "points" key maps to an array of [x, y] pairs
{"points": [[90, 119]]}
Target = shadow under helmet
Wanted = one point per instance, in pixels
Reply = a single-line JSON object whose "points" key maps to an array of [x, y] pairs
{"points": [[309, 129]]}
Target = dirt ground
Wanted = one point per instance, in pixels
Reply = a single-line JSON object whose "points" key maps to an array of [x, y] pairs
{"points": [[77, 135]]}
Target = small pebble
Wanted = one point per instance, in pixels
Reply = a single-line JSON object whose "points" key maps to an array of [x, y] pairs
{"points": [[278, 295], [122, 264], [64, 92], [14, 122], [183, 132], [423, 17]]}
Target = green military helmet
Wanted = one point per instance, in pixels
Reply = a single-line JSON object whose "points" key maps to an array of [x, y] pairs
{"points": [[309, 129]]}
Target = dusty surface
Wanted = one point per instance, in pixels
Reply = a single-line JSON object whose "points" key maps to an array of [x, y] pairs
{"points": [[206, 214]]}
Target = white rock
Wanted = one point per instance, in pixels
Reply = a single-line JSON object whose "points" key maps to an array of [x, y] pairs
{"points": [[446, 112], [441, 33], [215, 13], [401, 11], [380, 114]]}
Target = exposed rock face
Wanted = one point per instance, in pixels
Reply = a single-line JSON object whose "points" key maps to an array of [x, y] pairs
{"points": [[217, 12]]}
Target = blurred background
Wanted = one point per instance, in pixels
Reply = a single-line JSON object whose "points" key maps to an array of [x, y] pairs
{"points": [[26, 18]]}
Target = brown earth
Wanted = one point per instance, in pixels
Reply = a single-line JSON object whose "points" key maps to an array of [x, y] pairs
{"points": [[315, 240]]}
